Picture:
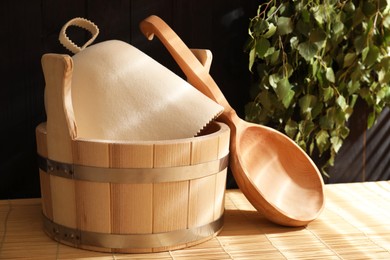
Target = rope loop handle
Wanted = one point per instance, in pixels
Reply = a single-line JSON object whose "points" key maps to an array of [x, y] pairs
{"points": [[82, 23]]}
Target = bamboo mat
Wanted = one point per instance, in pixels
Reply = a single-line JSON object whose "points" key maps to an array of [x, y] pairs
{"points": [[355, 224]]}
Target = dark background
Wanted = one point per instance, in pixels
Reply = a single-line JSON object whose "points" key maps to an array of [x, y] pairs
{"points": [[29, 28]]}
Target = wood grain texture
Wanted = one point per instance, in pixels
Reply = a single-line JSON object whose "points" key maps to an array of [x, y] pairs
{"points": [[124, 155], [132, 208], [61, 127], [93, 206], [172, 154], [41, 139], [219, 199], [47, 203], [201, 205], [204, 150], [63, 197], [170, 206], [87, 152]]}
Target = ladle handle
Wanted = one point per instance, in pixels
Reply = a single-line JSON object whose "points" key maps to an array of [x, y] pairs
{"points": [[196, 74]]}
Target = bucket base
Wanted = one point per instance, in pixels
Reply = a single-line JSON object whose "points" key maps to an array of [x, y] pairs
{"points": [[132, 243]]}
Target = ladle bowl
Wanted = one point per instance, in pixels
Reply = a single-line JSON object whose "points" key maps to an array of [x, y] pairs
{"points": [[273, 172]]}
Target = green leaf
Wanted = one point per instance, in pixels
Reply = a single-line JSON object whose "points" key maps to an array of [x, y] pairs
{"points": [[322, 141], [341, 102], [265, 100], [274, 79], [336, 143], [274, 58], [358, 17], [344, 132], [330, 75], [384, 76], [306, 104], [271, 31], [354, 98], [251, 111], [327, 121], [317, 35], [307, 50], [369, 8], [260, 26], [284, 92], [291, 128], [338, 27], [370, 55], [315, 67], [386, 21], [306, 127], [262, 46], [285, 25], [269, 52], [371, 119], [353, 87], [288, 70], [294, 42], [306, 15], [328, 93], [319, 13], [359, 43], [340, 117], [349, 7], [252, 55], [349, 58], [316, 111], [271, 11]]}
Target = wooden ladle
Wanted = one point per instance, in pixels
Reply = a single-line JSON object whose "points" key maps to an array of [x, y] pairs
{"points": [[275, 174]]}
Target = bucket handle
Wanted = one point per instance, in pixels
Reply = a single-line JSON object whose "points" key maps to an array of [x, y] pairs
{"points": [[82, 23]]}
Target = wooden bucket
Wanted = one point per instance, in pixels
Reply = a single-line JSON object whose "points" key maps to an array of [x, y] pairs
{"points": [[135, 197]]}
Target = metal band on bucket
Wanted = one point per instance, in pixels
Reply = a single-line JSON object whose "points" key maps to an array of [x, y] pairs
{"points": [[132, 175], [78, 238]]}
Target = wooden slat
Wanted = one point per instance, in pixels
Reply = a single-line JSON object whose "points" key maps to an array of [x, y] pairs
{"points": [[91, 153], [40, 133], [64, 201], [204, 150], [131, 156], [131, 208], [201, 201], [170, 206], [47, 203], [132, 211], [224, 142], [170, 155], [220, 187], [93, 206]]}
